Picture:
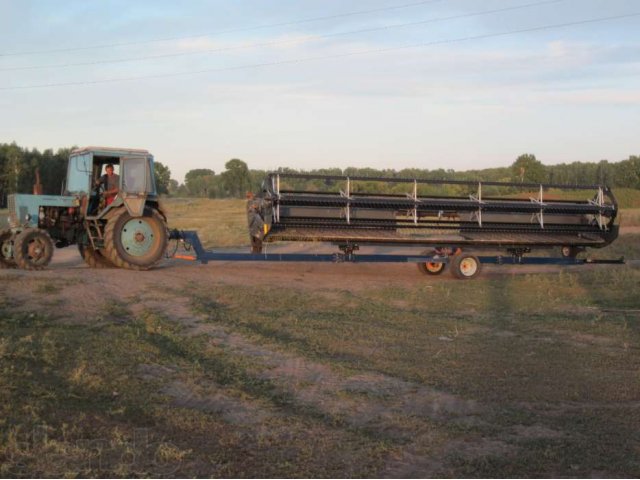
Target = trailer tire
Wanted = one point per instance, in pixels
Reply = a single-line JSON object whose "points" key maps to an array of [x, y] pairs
{"points": [[7, 238], [465, 266], [431, 268], [135, 243], [33, 249], [94, 258]]}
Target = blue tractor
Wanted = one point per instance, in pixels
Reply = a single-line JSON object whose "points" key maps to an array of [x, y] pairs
{"points": [[122, 227]]}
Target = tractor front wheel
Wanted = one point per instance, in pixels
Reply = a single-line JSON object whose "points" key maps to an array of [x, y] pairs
{"points": [[136, 243], [32, 249], [7, 238]]}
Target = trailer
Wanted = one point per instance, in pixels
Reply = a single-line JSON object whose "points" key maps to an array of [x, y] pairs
{"points": [[462, 225]]}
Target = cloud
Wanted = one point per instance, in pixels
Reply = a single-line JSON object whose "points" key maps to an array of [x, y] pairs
{"points": [[279, 42]]}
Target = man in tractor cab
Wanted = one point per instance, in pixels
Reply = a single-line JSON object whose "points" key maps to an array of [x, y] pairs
{"points": [[110, 182]]}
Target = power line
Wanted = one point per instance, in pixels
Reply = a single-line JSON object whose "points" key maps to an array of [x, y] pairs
{"points": [[284, 42], [222, 32], [326, 57]]}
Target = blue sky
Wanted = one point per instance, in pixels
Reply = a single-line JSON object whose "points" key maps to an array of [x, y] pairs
{"points": [[565, 94]]}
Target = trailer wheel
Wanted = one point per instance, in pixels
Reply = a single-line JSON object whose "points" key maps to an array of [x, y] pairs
{"points": [[94, 258], [465, 266], [6, 249], [33, 249], [136, 243], [568, 251], [431, 268]]}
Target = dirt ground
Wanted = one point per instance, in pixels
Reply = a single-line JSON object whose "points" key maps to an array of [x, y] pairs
{"points": [[121, 284], [359, 369]]}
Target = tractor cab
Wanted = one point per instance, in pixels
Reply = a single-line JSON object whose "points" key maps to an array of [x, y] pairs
{"points": [[86, 179]]}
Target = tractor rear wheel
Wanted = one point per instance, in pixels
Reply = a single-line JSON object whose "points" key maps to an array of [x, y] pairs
{"points": [[136, 243], [6, 249], [32, 249], [94, 258], [431, 268]]}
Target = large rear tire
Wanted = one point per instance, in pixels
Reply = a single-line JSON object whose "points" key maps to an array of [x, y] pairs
{"points": [[33, 249], [7, 238], [94, 258], [136, 243]]}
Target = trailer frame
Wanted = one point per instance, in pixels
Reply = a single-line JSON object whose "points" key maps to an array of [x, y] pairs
{"points": [[190, 242]]}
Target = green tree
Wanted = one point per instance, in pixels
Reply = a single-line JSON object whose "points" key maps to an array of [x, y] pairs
{"points": [[628, 173], [527, 168], [200, 182], [174, 187], [236, 179], [13, 167], [163, 177]]}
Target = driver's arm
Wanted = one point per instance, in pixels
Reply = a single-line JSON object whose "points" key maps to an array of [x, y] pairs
{"points": [[101, 181]]}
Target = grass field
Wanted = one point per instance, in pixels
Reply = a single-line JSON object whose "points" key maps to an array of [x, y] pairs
{"points": [[321, 371], [527, 375], [220, 223]]}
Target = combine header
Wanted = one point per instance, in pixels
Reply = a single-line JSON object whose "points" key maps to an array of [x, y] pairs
{"points": [[449, 217]]}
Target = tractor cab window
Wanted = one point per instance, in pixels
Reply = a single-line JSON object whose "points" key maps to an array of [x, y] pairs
{"points": [[79, 174], [136, 176]]}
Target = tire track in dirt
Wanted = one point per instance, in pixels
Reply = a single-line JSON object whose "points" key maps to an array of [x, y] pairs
{"points": [[407, 414], [411, 416]]}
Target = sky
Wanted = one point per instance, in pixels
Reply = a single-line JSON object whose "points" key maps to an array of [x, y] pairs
{"points": [[454, 84]]}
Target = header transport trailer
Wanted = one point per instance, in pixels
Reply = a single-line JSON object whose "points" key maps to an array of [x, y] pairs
{"points": [[452, 220]]}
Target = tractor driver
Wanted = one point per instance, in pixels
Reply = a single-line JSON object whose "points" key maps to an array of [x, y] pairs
{"points": [[110, 181]]}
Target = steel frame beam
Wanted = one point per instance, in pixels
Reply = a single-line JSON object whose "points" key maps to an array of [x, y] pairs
{"points": [[192, 241]]}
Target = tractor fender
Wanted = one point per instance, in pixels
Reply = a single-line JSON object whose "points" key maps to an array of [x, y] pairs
{"points": [[135, 204]]}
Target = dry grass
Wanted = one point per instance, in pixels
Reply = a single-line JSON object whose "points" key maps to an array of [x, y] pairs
{"points": [[630, 217], [508, 376], [220, 223]]}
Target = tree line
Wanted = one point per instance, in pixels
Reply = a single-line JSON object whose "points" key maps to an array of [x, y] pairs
{"points": [[18, 166], [238, 179]]}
